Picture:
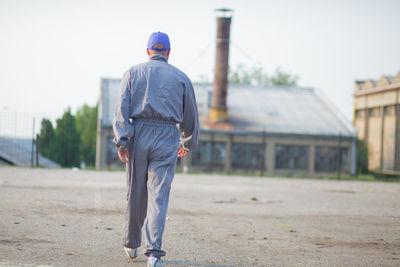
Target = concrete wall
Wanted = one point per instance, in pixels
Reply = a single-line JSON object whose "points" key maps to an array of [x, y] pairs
{"points": [[361, 123], [374, 142], [389, 134], [376, 110]]}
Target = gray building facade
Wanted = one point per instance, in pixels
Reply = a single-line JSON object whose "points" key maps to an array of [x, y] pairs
{"points": [[275, 130]]}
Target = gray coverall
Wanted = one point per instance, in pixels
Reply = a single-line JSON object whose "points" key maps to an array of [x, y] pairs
{"points": [[155, 97]]}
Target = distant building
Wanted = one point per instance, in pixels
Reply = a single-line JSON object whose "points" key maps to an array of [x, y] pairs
{"points": [[377, 118], [106, 156], [252, 129], [276, 129]]}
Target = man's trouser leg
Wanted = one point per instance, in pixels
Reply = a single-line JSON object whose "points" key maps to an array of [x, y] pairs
{"points": [[136, 209], [155, 148], [161, 171], [160, 176]]}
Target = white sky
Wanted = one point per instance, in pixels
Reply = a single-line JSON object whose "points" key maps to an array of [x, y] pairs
{"points": [[53, 53]]}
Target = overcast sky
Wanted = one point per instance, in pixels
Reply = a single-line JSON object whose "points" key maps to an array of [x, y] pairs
{"points": [[53, 53]]}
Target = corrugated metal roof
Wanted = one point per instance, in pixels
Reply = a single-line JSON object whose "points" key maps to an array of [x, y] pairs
{"points": [[274, 109], [18, 151]]}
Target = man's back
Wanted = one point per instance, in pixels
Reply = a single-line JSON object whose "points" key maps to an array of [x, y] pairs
{"points": [[157, 90]]}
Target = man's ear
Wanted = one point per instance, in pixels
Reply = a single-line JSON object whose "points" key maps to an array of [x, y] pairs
{"points": [[148, 52], [168, 52]]}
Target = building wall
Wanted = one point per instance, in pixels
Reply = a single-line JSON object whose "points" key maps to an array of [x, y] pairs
{"points": [[374, 138], [360, 123], [397, 135], [271, 154], [106, 155], [252, 153], [376, 117], [389, 137], [381, 99]]}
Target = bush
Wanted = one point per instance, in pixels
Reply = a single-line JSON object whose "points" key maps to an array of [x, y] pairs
{"points": [[362, 157]]}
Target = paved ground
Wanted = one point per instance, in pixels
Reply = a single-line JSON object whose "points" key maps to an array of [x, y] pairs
{"points": [[74, 218]]}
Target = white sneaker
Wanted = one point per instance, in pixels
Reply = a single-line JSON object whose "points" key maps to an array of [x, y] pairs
{"points": [[131, 253], [154, 262]]}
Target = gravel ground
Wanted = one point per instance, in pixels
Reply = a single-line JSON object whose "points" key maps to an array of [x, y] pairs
{"points": [[74, 218]]}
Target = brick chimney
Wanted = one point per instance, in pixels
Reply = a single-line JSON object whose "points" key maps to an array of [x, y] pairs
{"points": [[219, 111]]}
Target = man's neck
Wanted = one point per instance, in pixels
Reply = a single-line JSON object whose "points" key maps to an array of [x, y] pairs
{"points": [[158, 57]]}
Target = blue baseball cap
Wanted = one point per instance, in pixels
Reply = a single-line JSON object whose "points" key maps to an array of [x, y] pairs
{"points": [[158, 38]]}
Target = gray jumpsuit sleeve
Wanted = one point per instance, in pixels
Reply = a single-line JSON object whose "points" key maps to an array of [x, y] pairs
{"points": [[190, 127], [123, 129]]}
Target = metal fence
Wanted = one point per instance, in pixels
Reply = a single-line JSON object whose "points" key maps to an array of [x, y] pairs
{"points": [[18, 142]]}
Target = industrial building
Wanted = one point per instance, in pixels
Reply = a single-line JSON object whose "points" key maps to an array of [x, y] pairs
{"points": [[273, 130], [377, 119], [252, 129]]}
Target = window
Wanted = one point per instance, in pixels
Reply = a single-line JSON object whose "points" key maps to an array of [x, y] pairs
{"points": [[248, 156], [291, 157], [389, 110], [327, 159], [360, 114], [209, 153], [374, 112]]}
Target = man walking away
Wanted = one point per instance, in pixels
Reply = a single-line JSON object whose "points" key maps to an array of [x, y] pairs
{"points": [[155, 97]]}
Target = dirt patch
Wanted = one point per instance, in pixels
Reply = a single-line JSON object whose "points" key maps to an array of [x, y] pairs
{"points": [[93, 211], [380, 244], [24, 241], [341, 191]]}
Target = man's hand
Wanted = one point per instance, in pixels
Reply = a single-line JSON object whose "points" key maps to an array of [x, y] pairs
{"points": [[182, 152], [123, 156]]}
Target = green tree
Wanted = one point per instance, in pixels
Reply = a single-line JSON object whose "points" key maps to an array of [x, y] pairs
{"points": [[283, 78], [256, 76], [240, 74], [362, 156], [86, 125], [46, 137], [65, 147]]}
